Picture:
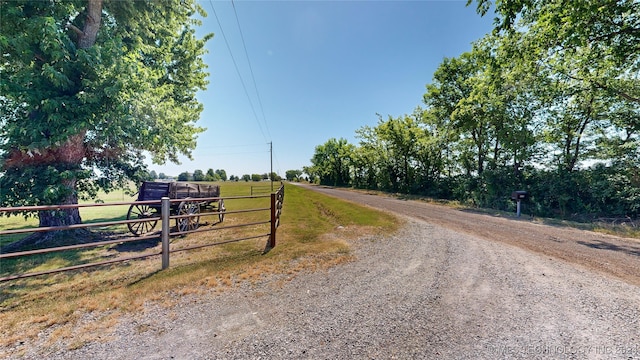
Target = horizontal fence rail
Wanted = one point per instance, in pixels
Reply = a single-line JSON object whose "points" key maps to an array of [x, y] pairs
{"points": [[168, 210], [261, 189]]}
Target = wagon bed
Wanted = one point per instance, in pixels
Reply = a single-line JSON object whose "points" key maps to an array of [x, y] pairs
{"points": [[151, 190]]}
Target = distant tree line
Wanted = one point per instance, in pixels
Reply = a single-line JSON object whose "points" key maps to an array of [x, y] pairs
{"points": [[549, 102], [261, 177], [199, 175], [215, 175]]}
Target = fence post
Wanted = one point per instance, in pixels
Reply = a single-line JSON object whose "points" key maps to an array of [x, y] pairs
{"points": [[166, 209], [272, 237]]}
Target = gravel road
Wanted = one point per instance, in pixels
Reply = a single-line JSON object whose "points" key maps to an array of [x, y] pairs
{"points": [[449, 285]]}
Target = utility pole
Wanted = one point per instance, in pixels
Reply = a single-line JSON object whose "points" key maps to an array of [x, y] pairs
{"points": [[271, 156]]}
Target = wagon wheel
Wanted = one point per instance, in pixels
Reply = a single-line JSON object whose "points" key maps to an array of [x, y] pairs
{"points": [[188, 223], [141, 212], [221, 210]]}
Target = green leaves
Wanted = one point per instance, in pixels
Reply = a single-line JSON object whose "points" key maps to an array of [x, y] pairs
{"points": [[332, 162], [133, 90], [605, 34]]}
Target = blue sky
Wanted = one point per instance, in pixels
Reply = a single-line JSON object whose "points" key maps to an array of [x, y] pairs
{"points": [[322, 69]]}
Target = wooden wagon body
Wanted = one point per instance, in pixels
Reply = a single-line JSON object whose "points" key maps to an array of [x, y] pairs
{"points": [[190, 192]]}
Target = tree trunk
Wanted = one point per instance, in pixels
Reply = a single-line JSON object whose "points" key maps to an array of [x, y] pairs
{"points": [[73, 151], [59, 217], [62, 217], [88, 35]]}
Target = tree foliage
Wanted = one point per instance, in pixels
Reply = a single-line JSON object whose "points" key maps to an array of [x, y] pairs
{"points": [[331, 162], [605, 34], [221, 174], [211, 175], [293, 175], [185, 176], [88, 86], [198, 175]]}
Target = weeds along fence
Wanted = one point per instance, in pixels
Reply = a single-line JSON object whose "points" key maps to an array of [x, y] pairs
{"points": [[186, 222]]}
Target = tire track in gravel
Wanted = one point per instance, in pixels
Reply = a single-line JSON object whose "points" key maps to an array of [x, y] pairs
{"points": [[612, 255]]}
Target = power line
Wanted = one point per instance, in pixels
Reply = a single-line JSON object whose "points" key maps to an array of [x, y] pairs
{"points": [[235, 64], [255, 86], [253, 78], [240, 76]]}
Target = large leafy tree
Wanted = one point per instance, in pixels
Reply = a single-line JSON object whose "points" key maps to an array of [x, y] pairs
{"points": [[221, 174], [502, 103], [465, 119], [399, 140], [332, 162], [88, 85], [369, 160], [211, 175], [198, 175], [481, 104], [293, 175]]}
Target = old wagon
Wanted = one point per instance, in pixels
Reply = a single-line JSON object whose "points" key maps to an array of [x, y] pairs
{"points": [[189, 192]]}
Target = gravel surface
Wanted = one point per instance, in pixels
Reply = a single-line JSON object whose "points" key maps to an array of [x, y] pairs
{"points": [[449, 285]]}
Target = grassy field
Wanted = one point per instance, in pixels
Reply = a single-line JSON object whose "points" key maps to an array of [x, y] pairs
{"points": [[316, 232]]}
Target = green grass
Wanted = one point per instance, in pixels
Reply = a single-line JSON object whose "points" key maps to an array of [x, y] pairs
{"points": [[316, 232], [107, 213]]}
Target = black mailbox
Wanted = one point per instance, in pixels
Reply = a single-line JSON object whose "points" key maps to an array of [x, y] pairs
{"points": [[519, 195]]}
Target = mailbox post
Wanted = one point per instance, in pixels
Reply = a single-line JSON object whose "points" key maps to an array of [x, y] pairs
{"points": [[518, 196]]}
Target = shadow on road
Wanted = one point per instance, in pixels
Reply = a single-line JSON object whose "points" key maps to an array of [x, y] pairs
{"points": [[603, 245]]}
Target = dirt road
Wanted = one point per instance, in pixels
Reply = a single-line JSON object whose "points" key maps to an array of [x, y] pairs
{"points": [[449, 285], [598, 252]]}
